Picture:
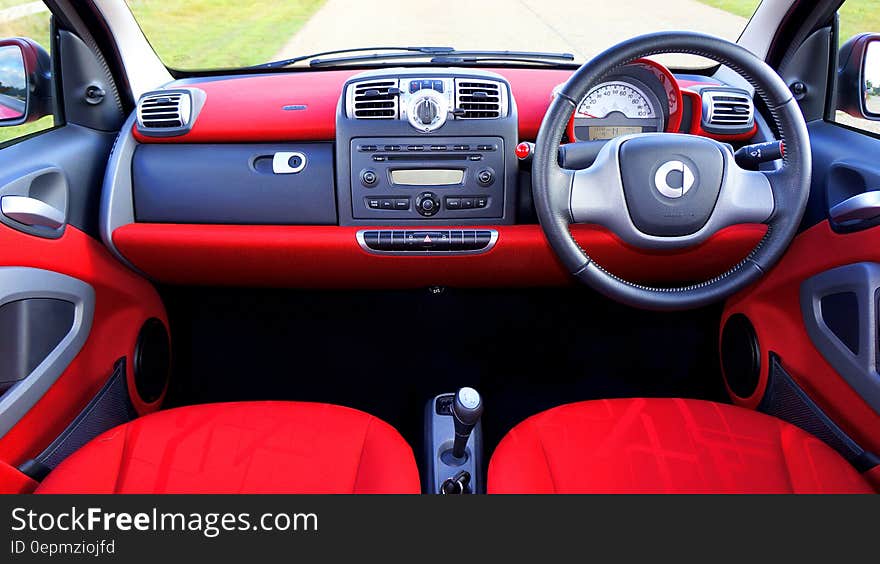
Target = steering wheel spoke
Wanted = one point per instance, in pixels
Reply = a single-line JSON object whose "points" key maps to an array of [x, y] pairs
{"points": [[597, 191], [746, 197]]}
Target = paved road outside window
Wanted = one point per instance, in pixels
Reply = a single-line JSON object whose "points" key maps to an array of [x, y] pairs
{"points": [[581, 27]]}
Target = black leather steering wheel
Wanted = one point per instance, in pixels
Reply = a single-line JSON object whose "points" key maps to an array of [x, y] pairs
{"points": [[625, 188]]}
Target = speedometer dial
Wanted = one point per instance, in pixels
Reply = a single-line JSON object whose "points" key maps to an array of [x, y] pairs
{"points": [[623, 105], [610, 97]]}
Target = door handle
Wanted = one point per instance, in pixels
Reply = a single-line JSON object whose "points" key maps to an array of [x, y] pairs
{"points": [[31, 211], [859, 207]]}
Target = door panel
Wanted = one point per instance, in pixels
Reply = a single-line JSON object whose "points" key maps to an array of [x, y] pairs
{"points": [[839, 308], [63, 169], [79, 153], [802, 309], [45, 294], [123, 302]]}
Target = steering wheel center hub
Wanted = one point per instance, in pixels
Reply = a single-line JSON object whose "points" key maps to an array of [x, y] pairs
{"points": [[671, 183]]}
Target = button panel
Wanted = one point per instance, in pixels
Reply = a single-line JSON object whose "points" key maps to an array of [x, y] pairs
{"points": [[427, 241], [467, 202], [465, 178], [388, 203]]}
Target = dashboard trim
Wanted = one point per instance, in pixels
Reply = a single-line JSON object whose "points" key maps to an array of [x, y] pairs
{"points": [[227, 118], [493, 238], [286, 257]]}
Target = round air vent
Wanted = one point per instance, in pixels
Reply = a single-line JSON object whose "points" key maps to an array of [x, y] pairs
{"points": [[740, 355], [152, 360]]}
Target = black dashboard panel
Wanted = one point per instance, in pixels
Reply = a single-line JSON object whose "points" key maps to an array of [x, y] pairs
{"points": [[412, 178], [277, 184]]}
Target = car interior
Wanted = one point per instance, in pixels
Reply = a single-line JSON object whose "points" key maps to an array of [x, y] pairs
{"points": [[429, 270]]}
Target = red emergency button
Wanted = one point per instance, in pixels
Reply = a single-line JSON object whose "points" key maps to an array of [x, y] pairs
{"points": [[523, 151]]}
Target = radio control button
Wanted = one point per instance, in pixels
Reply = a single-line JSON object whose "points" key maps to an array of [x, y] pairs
{"points": [[438, 147], [462, 147], [369, 178], [401, 204], [475, 157], [486, 177], [367, 148], [373, 203], [427, 204], [392, 148], [415, 147], [481, 202], [467, 203], [486, 147], [386, 203], [453, 203]]}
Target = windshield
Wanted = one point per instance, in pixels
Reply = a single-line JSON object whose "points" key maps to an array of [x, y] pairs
{"points": [[208, 34]]}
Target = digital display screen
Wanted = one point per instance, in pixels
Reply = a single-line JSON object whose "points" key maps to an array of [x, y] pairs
{"points": [[427, 176], [612, 131]]}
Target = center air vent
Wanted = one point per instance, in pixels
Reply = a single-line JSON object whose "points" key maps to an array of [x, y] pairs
{"points": [[727, 111], [167, 113], [376, 99], [479, 99]]}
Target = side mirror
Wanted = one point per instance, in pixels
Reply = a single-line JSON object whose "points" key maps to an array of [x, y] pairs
{"points": [[858, 77], [25, 82]]}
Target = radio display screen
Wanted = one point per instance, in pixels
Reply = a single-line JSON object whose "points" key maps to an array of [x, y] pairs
{"points": [[427, 176]]}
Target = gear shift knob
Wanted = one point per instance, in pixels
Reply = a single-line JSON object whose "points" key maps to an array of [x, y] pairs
{"points": [[466, 411]]}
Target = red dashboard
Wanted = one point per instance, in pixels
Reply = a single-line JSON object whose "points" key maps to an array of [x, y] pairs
{"points": [[302, 107], [252, 108]]}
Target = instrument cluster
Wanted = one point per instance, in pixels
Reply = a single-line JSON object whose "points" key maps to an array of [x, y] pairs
{"points": [[641, 97]]}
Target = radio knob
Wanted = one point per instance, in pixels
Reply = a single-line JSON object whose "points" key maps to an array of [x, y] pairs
{"points": [[486, 177], [427, 204], [369, 178], [426, 112]]}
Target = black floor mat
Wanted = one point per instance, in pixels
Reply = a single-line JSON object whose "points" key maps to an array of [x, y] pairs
{"points": [[388, 353]]}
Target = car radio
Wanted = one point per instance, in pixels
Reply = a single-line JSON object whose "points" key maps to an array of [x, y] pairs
{"points": [[420, 178]]}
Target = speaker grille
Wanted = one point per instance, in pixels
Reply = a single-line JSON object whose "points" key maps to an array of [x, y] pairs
{"points": [[740, 355], [152, 360]]}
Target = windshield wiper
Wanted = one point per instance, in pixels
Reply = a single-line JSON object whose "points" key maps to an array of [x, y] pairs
{"points": [[450, 57], [422, 51], [439, 55]]}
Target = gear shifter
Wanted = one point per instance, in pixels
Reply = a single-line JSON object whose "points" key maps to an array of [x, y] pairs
{"points": [[466, 411]]}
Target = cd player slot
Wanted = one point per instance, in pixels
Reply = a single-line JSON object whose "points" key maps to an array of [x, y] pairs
{"points": [[424, 157]]}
